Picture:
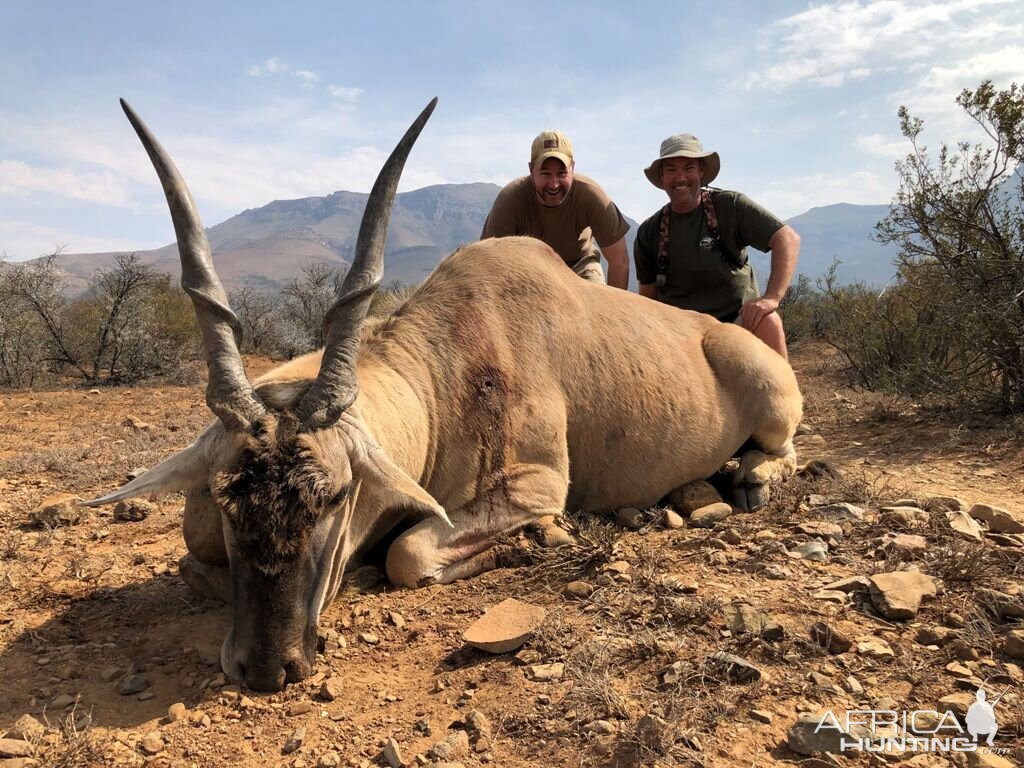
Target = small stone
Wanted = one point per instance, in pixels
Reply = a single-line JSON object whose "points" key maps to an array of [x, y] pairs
{"points": [[396, 619], [693, 496], [677, 582], [329, 760], [898, 595], [631, 518], [732, 537], [965, 525], [655, 733], [743, 618], [957, 703], [838, 512], [672, 521], [134, 510], [393, 754], [710, 515], [831, 595], [15, 748], [131, 684], [939, 636], [294, 741], [505, 627], [26, 728], [830, 638], [62, 701], [602, 727], [963, 650], [943, 504], [152, 743], [904, 543], [849, 585], [1003, 605], [999, 520], [808, 735], [369, 638], [852, 685], [331, 689], [823, 530], [876, 647], [455, 745], [176, 712], [299, 708], [55, 511], [761, 715], [546, 673], [1014, 644], [812, 550], [736, 669], [579, 589]]}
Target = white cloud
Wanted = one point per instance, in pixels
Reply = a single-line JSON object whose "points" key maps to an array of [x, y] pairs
{"points": [[345, 94], [308, 78], [804, 192], [18, 178], [271, 66], [883, 146], [830, 44], [24, 240]]}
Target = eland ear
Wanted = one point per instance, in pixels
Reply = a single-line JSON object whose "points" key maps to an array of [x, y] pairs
{"points": [[397, 489]]}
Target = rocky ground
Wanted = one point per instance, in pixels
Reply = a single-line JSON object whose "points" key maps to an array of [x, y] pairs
{"points": [[683, 635]]}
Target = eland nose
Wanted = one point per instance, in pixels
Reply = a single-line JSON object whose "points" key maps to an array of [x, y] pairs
{"points": [[267, 678]]}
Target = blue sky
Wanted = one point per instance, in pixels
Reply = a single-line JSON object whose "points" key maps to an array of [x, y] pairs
{"points": [[260, 101]]}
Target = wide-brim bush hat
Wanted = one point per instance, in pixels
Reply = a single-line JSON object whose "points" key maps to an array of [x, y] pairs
{"points": [[684, 145]]}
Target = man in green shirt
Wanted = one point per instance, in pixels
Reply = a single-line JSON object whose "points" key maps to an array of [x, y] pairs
{"points": [[693, 252], [566, 210]]}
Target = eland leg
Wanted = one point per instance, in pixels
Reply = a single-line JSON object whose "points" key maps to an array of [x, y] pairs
{"points": [[433, 553], [205, 568]]}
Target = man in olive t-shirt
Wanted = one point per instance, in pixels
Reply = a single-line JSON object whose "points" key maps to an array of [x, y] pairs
{"points": [[566, 210], [693, 252]]}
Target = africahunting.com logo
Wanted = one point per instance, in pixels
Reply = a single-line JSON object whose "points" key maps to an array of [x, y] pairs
{"points": [[919, 730]]}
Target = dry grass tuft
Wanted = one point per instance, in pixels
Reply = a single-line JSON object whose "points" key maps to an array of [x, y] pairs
{"points": [[78, 747]]}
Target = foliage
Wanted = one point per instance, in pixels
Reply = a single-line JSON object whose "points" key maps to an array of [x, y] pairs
{"points": [[958, 220]]}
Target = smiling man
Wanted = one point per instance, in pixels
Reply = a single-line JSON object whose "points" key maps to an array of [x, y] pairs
{"points": [[693, 252], [566, 210]]}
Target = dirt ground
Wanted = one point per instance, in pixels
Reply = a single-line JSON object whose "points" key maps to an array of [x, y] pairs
{"points": [[85, 607]]}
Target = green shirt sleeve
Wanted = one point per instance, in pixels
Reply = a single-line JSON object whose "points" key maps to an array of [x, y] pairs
{"points": [[503, 220]]}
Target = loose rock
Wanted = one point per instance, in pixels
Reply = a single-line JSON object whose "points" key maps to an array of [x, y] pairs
{"points": [[898, 595], [737, 669], [58, 510], [693, 496], [709, 516], [132, 684], [152, 743], [26, 728], [838, 512], [830, 638], [134, 510], [579, 589], [965, 525], [631, 518], [673, 521], [505, 627], [743, 618], [15, 748], [294, 741], [393, 754], [1014, 644], [545, 673]]}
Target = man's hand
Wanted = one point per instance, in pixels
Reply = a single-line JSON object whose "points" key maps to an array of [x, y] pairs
{"points": [[752, 313]]}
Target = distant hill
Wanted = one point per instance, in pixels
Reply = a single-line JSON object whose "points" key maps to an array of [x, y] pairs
{"points": [[265, 247]]}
